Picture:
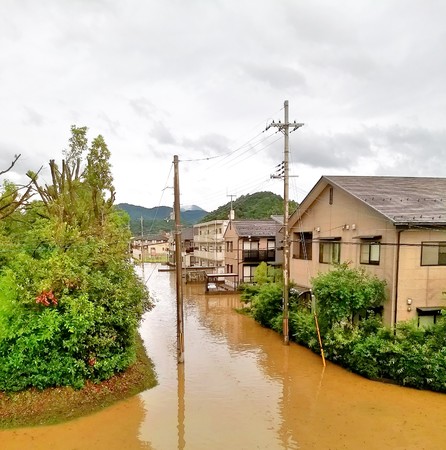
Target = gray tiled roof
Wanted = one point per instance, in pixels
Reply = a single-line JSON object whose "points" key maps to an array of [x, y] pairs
{"points": [[403, 200], [256, 228]]}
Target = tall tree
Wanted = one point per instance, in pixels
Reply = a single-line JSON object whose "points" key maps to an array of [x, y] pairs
{"points": [[99, 178]]}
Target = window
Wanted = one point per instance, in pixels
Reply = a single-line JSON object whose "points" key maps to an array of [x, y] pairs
{"points": [[433, 253], [329, 251], [248, 273], [229, 246], [369, 252], [303, 245]]}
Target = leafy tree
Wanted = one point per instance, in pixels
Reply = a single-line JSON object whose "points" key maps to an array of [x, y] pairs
{"points": [[344, 292], [265, 273]]}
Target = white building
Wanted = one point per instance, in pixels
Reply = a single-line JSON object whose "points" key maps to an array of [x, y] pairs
{"points": [[209, 249]]}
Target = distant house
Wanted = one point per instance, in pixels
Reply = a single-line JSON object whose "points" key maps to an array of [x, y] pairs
{"points": [[152, 246], [247, 244], [395, 227], [187, 247]]}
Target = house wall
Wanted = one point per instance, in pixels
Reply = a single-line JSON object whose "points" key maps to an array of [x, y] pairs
{"points": [[232, 254], [234, 260], [399, 265], [149, 249], [346, 218], [424, 285]]}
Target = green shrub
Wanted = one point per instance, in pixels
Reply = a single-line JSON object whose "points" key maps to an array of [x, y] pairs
{"points": [[303, 329], [344, 292], [267, 304]]}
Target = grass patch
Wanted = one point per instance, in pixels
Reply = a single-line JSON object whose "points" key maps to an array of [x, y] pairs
{"points": [[54, 405]]}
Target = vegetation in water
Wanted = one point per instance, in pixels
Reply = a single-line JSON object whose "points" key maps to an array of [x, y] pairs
{"points": [[33, 406], [353, 335]]}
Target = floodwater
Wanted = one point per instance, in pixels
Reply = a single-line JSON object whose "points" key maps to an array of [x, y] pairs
{"points": [[240, 387]]}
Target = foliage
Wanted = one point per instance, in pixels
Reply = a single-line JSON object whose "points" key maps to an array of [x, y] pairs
{"points": [[33, 407], [267, 304], [70, 301], [265, 273], [303, 328], [344, 292], [260, 205]]}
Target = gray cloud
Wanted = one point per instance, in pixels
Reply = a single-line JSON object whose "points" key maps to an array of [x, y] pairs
{"points": [[201, 79]]}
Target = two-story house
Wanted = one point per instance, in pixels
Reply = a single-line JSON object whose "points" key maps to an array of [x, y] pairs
{"points": [[149, 247], [247, 244], [394, 227]]}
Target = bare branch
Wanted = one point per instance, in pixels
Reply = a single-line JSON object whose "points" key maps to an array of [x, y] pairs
{"points": [[16, 157]]}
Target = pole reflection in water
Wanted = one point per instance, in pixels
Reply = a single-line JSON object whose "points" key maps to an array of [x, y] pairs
{"points": [[181, 406]]}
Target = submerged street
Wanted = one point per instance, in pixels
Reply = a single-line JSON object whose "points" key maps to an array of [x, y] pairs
{"points": [[241, 388]]}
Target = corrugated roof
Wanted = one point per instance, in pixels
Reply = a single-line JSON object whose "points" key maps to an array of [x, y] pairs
{"points": [[403, 200], [256, 228]]}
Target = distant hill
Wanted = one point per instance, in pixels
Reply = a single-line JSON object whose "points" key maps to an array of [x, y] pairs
{"points": [[158, 219], [261, 205]]}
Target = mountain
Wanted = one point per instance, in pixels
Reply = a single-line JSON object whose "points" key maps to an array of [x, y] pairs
{"points": [[160, 218], [191, 208], [261, 205]]}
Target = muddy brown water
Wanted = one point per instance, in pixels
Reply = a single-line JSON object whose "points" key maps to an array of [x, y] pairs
{"points": [[241, 388]]}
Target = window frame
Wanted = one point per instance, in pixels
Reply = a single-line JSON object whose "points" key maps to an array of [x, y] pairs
{"points": [[335, 247], [369, 243], [433, 244], [299, 245]]}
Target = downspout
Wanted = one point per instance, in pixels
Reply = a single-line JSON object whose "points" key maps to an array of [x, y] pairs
{"points": [[397, 272], [240, 277]]}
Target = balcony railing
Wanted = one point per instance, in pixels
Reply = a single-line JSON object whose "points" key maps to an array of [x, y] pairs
{"points": [[259, 255]]}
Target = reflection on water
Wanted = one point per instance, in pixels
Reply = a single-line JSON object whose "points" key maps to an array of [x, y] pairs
{"points": [[241, 388]]}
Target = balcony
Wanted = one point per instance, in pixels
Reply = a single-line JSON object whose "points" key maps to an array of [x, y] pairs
{"points": [[259, 255]]}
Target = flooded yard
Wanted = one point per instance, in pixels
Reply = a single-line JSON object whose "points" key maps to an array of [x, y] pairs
{"points": [[241, 388]]}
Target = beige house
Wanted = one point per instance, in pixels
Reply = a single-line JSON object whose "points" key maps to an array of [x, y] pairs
{"points": [[144, 248], [247, 244], [395, 227]]}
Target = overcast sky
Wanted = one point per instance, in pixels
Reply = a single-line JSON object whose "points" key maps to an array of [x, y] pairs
{"points": [[202, 79]]}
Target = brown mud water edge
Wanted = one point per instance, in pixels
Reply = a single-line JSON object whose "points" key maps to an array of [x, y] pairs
{"points": [[34, 407]]}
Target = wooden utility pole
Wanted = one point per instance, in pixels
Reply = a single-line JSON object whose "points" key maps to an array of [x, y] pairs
{"points": [[178, 264], [285, 128]]}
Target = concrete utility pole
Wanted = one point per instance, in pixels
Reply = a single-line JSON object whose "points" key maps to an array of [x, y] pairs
{"points": [[285, 128], [231, 212], [178, 264]]}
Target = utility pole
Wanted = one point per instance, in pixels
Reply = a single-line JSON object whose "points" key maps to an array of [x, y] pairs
{"points": [[231, 212], [285, 128], [178, 264]]}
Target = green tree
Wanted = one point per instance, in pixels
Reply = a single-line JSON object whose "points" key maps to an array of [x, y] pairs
{"points": [[344, 292]]}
